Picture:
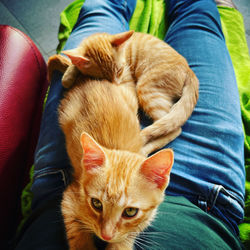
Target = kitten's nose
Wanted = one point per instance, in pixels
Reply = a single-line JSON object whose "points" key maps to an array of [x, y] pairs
{"points": [[107, 230], [106, 236]]}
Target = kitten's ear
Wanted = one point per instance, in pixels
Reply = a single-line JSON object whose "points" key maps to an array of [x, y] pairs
{"points": [[120, 38], [157, 167], [93, 155], [76, 58]]}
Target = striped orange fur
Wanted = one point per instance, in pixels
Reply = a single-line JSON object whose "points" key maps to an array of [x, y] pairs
{"points": [[167, 88], [115, 190]]}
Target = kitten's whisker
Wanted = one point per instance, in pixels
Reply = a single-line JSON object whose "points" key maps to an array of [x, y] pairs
{"points": [[86, 226], [164, 234], [145, 238], [142, 243], [159, 234], [150, 244], [136, 243], [86, 230], [139, 243]]}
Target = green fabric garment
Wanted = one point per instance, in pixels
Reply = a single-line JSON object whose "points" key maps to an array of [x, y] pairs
{"points": [[149, 17], [68, 19], [183, 226], [234, 32], [186, 226]]}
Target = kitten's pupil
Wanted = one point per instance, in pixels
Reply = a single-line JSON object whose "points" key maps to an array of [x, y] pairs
{"points": [[96, 204], [130, 212]]}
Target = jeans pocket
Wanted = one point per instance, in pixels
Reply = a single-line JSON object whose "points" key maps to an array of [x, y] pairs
{"points": [[226, 206], [48, 183]]}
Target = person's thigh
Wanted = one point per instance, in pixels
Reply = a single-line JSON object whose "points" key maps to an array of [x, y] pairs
{"points": [[209, 154], [52, 165]]}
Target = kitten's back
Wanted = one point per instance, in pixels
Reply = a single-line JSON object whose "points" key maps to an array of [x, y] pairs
{"points": [[106, 111]]}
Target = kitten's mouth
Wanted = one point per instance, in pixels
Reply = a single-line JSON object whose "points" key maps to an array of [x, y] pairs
{"points": [[109, 238], [106, 237]]}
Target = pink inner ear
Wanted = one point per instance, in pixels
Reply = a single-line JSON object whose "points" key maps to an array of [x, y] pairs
{"points": [[76, 59], [120, 38], [93, 155], [157, 167]]}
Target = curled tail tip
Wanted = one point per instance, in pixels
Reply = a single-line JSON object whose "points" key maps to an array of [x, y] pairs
{"points": [[193, 81], [179, 113]]}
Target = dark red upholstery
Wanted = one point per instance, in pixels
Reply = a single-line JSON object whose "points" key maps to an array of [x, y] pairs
{"points": [[23, 86]]}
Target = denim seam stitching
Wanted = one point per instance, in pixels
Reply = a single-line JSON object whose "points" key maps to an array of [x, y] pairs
{"points": [[215, 193], [53, 172]]}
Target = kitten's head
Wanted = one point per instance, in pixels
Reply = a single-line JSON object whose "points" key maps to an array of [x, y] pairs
{"points": [[100, 55], [118, 193]]}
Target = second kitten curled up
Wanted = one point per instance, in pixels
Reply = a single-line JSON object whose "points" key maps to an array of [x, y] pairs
{"points": [[166, 87]]}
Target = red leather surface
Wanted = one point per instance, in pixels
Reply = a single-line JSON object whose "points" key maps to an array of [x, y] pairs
{"points": [[23, 86]]}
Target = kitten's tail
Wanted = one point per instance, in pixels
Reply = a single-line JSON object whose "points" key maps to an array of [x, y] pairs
{"points": [[178, 114], [57, 62]]}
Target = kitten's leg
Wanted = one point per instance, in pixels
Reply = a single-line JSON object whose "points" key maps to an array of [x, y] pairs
{"points": [[70, 76], [159, 142], [79, 240], [57, 62], [124, 245]]}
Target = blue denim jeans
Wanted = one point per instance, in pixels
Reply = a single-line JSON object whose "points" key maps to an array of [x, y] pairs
{"points": [[209, 154]]}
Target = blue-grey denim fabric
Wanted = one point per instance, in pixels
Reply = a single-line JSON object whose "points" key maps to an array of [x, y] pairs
{"points": [[209, 154]]}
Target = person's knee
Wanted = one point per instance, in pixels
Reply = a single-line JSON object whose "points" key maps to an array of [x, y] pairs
{"points": [[123, 8], [204, 10], [186, 8], [195, 14]]}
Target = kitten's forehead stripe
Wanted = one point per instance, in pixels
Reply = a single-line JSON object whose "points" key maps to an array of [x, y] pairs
{"points": [[122, 201], [119, 178], [100, 50]]}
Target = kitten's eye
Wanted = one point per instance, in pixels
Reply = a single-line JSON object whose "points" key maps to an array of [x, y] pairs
{"points": [[130, 212], [96, 204]]}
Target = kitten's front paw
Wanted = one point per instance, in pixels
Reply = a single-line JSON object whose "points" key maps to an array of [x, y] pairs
{"points": [[67, 81], [70, 76]]}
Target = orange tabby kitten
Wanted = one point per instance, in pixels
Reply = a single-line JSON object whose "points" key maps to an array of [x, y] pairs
{"points": [[167, 88], [58, 62], [115, 190]]}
